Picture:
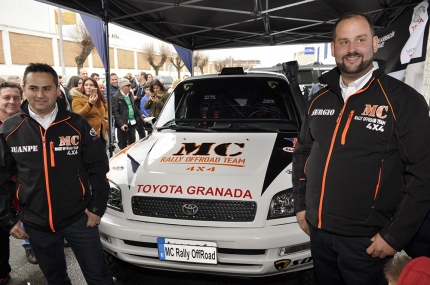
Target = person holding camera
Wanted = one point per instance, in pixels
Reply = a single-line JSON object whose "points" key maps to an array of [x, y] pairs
{"points": [[125, 113], [157, 98], [89, 102]]}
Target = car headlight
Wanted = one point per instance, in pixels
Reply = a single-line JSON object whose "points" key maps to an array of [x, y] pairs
{"points": [[282, 205], [115, 198]]}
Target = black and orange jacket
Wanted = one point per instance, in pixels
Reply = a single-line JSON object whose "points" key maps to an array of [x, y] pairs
{"points": [[363, 166], [61, 171]]}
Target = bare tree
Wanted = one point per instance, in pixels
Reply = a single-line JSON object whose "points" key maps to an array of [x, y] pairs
{"points": [[177, 63], [86, 45], [150, 54], [204, 59], [197, 57], [220, 64]]}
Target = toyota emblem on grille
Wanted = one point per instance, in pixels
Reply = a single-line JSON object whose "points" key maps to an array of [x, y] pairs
{"points": [[190, 209]]}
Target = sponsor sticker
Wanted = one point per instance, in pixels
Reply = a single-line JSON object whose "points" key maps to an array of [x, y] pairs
{"points": [[288, 149], [282, 264]]}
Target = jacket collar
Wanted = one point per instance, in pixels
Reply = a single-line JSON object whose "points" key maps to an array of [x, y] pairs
{"points": [[61, 115], [76, 93], [331, 78]]}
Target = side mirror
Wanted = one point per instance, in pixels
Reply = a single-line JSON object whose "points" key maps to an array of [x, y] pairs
{"points": [[148, 123]]}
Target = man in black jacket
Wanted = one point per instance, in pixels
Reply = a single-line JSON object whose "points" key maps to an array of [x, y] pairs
{"points": [[62, 188], [361, 164], [125, 113]]}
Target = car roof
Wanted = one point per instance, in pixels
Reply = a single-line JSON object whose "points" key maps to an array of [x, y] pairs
{"points": [[247, 74]]}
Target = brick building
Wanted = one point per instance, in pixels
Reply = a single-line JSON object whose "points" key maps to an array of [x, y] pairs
{"points": [[29, 33]]}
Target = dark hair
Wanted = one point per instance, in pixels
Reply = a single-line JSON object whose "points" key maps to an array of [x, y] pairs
{"points": [[144, 74], [147, 85], [73, 82], [96, 85], [350, 15], [40, 67], [94, 74], [158, 83], [8, 84]]}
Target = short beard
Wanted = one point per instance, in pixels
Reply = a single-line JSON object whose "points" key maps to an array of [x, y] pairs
{"points": [[354, 70]]}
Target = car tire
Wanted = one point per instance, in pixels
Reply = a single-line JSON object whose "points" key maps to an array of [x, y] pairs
{"points": [[117, 268]]}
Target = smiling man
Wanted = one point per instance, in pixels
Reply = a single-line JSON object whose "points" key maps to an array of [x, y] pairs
{"points": [[55, 153], [361, 164], [10, 101]]}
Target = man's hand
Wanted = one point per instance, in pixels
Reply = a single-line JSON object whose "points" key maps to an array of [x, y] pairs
{"points": [[18, 233], [124, 128], [300, 216], [93, 219], [142, 116], [380, 248]]}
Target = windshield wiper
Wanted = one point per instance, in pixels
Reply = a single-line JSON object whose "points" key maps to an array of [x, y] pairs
{"points": [[239, 127], [181, 128]]}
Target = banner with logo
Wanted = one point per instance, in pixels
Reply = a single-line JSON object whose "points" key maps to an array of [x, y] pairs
{"points": [[403, 45]]}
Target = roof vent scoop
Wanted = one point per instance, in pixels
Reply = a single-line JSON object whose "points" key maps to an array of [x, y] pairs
{"points": [[232, 70]]}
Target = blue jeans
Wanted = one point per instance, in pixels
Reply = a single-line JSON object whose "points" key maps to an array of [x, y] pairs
{"points": [[341, 260], [25, 243], [85, 242]]}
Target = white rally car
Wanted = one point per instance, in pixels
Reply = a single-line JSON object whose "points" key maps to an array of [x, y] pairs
{"points": [[210, 189]]}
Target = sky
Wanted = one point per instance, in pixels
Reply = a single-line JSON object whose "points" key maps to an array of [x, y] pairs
{"points": [[268, 56]]}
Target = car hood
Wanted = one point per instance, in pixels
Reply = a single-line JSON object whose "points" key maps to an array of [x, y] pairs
{"points": [[218, 166]]}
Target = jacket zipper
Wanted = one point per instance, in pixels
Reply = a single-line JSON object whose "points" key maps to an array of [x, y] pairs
{"points": [[48, 190], [379, 181], [83, 188], [17, 191], [345, 130], [333, 140], [51, 148]]}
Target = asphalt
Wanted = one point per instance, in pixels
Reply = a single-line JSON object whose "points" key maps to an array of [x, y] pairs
{"points": [[25, 273]]}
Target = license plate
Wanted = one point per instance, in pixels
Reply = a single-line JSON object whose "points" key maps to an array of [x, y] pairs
{"points": [[187, 250]]}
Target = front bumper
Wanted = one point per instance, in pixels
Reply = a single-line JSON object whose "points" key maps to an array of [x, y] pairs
{"points": [[250, 252]]}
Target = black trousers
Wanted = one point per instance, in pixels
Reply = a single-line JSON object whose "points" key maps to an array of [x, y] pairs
{"points": [[4, 254], [342, 260], [127, 137]]}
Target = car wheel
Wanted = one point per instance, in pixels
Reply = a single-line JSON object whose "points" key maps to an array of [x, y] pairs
{"points": [[118, 268]]}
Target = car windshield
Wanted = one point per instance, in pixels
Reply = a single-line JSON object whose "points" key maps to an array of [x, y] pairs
{"points": [[247, 103]]}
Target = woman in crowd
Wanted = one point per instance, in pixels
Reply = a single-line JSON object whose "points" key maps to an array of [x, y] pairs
{"points": [[133, 82], [149, 77], [157, 98], [89, 102], [74, 82]]}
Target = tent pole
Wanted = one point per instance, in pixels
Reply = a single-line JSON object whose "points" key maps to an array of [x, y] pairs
{"points": [[107, 76]]}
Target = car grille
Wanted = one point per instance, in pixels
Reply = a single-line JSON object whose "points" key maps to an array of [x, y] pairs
{"points": [[188, 209]]}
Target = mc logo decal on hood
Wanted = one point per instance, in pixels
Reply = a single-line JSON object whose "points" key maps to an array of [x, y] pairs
{"points": [[225, 154]]}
